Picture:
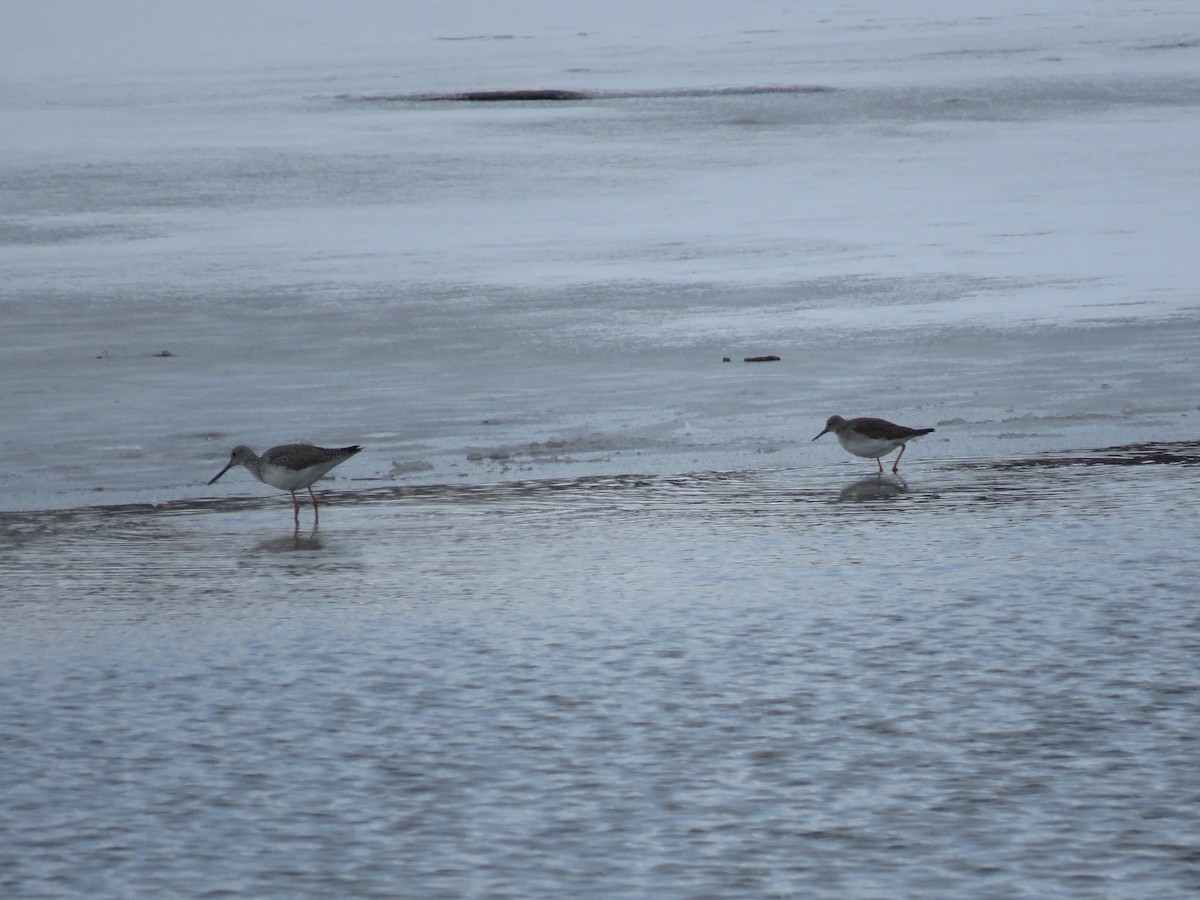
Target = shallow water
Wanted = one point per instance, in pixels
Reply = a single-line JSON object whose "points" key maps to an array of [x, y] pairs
{"points": [[1011, 255], [980, 679], [505, 666]]}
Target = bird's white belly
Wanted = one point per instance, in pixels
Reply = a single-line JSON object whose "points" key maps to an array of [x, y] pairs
{"points": [[871, 448], [288, 479]]}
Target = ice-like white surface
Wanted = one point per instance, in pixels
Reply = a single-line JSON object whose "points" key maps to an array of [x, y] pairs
{"points": [[986, 223]]}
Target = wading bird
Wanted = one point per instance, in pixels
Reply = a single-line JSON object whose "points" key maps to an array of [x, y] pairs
{"points": [[289, 467], [872, 438]]}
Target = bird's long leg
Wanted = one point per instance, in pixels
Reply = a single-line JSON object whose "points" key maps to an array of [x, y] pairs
{"points": [[896, 464], [296, 509], [316, 515], [879, 462]]}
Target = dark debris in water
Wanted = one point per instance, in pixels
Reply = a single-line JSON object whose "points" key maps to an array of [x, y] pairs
{"points": [[1178, 453], [517, 95], [562, 94]]}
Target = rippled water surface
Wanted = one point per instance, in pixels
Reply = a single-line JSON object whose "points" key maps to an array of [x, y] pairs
{"points": [[979, 681], [505, 667]]}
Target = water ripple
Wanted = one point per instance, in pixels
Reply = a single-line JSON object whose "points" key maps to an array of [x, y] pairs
{"points": [[980, 679]]}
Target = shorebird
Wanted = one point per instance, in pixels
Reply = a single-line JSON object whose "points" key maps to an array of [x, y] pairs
{"points": [[289, 467], [872, 438]]}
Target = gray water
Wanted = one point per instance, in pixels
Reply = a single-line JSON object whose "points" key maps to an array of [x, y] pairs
{"points": [[978, 680], [506, 666]]}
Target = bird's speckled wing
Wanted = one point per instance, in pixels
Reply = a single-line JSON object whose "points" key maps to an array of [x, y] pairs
{"points": [[303, 456], [883, 430]]}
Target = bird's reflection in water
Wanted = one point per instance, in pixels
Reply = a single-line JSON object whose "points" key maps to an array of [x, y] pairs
{"points": [[876, 487], [292, 542]]}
